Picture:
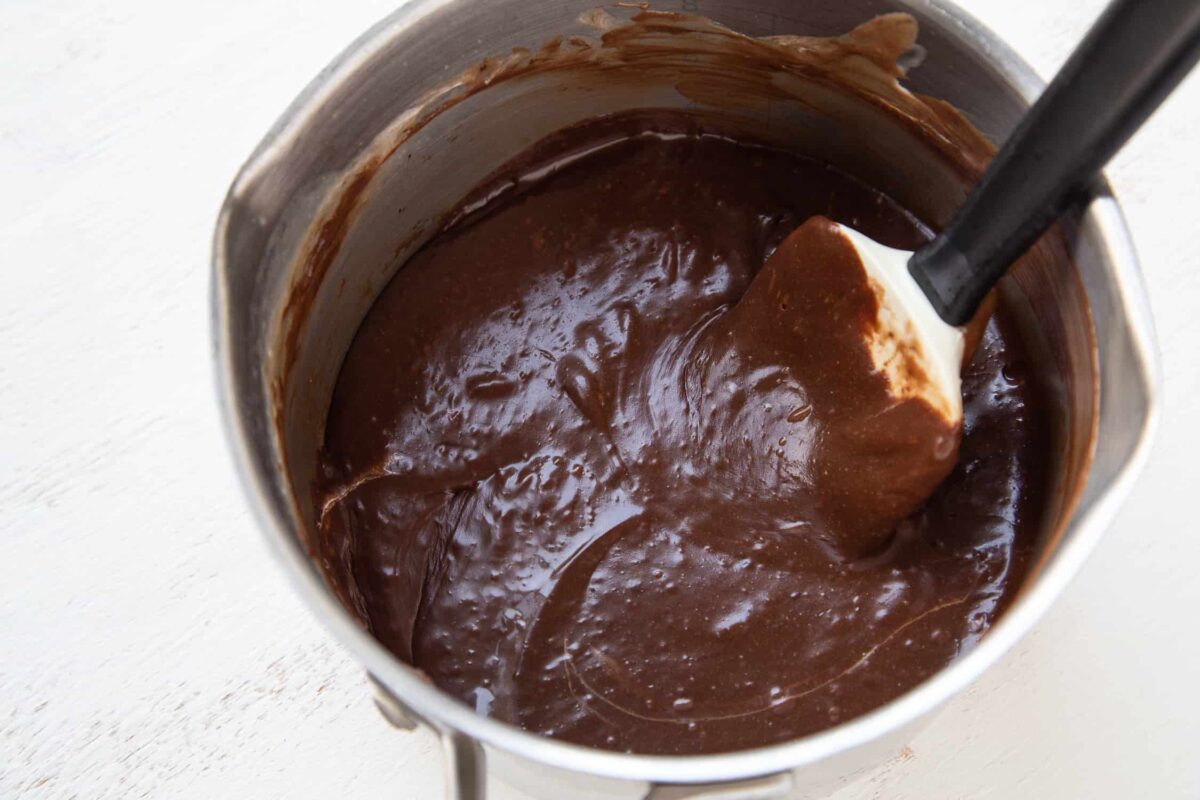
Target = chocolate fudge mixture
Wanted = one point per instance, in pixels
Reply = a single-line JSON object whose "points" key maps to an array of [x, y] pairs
{"points": [[607, 459]]}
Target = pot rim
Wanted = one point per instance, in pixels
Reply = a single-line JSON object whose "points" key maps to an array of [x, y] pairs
{"points": [[1102, 218]]}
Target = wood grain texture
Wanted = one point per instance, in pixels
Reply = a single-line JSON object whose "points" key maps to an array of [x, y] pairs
{"points": [[148, 645]]}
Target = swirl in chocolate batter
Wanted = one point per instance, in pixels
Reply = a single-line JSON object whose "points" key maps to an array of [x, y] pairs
{"points": [[605, 459]]}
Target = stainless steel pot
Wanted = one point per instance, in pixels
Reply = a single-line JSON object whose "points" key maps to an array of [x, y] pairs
{"points": [[276, 363]]}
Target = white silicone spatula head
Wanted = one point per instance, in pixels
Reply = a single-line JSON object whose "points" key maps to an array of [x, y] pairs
{"points": [[910, 332]]}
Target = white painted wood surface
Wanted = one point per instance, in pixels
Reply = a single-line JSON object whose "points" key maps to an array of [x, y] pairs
{"points": [[150, 648]]}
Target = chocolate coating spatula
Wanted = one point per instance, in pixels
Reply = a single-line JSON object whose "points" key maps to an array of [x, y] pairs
{"points": [[1131, 59]]}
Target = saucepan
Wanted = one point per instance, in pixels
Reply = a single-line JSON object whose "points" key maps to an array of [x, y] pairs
{"points": [[359, 170]]}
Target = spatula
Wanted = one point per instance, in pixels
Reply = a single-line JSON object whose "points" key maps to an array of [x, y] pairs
{"points": [[1133, 57]]}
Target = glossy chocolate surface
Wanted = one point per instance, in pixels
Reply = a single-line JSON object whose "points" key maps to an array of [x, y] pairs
{"points": [[604, 459]]}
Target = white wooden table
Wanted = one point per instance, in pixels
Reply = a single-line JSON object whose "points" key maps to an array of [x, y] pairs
{"points": [[148, 645]]}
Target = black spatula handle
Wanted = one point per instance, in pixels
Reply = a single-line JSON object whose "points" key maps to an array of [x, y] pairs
{"points": [[1129, 62]]}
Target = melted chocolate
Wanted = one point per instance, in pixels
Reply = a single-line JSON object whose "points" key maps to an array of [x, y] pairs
{"points": [[605, 461]]}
